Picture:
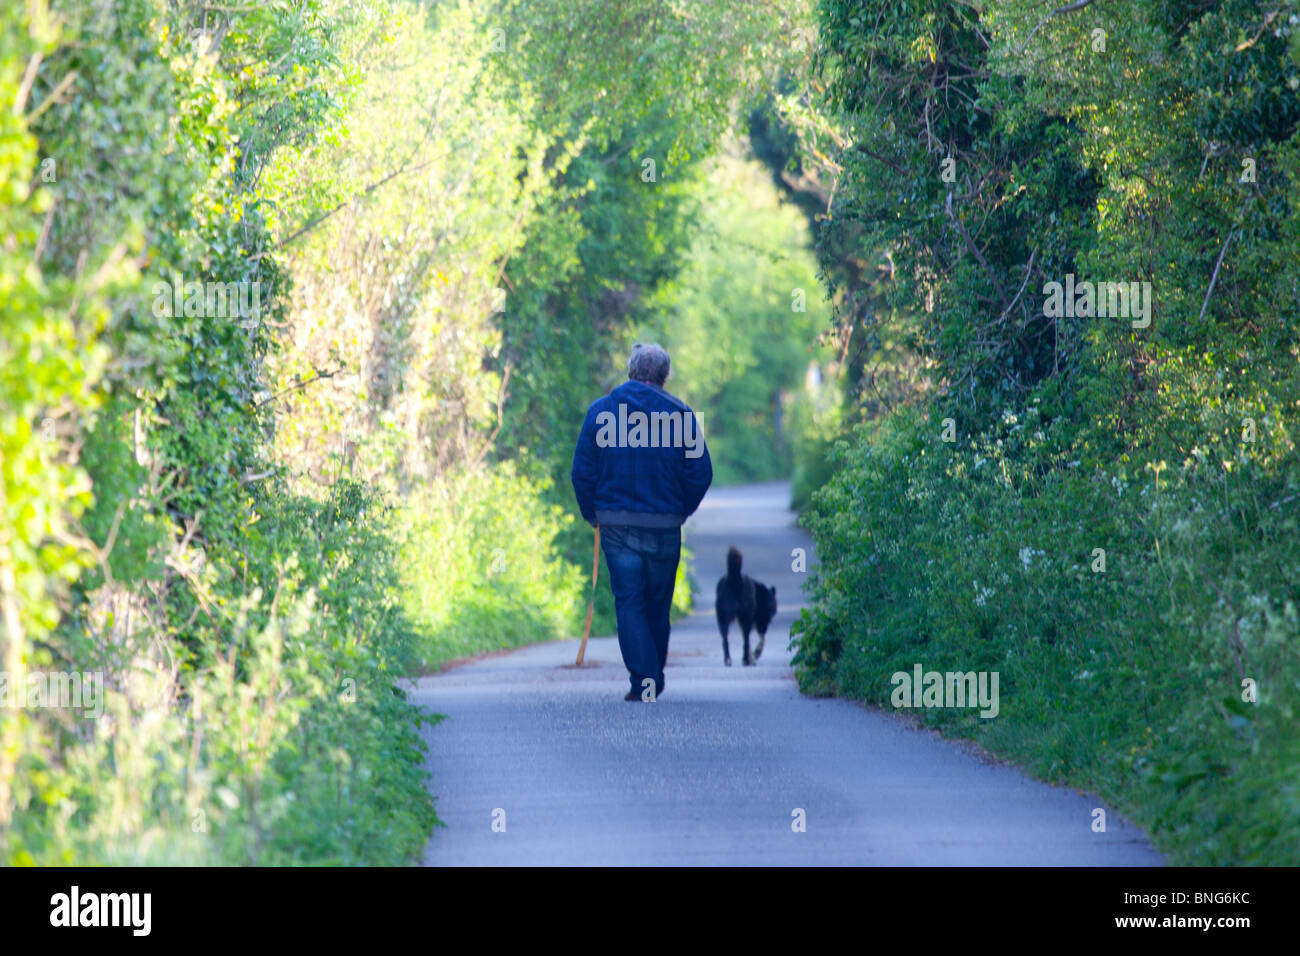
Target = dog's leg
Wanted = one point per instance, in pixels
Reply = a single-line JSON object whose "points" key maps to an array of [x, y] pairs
{"points": [[758, 651], [747, 659], [726, 648]]}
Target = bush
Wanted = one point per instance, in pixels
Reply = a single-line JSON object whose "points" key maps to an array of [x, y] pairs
{"points": [[481, 570], [985, 555], [273, 730]]}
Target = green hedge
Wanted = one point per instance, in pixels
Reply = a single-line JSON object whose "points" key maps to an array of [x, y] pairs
{"points": [[981, 554]]}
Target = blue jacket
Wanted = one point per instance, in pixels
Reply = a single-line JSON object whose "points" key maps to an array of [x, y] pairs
{"points": [[641, 459]]}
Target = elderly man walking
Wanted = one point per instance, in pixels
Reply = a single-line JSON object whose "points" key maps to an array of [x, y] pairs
{"points": [[641, 468]]}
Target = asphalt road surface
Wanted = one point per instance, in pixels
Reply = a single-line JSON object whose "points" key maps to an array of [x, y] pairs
{"points": [[540, 763]]}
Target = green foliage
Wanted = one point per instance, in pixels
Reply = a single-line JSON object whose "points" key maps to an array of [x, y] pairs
{"points": [[627, 86], [345, 788], [450, 214], [221, 611], [450, 246], [919, 90], [607, 66], [605, 243], [1110, 142], [288, 738], [1122, 680], [740, 320], [397, 228], [602, 246], [817, 423], [481, 569]]}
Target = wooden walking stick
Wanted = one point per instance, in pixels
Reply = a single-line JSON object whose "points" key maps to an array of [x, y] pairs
{"points": [[591, 605]]}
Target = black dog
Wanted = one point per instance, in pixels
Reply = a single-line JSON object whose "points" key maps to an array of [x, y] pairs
{"points": [[742, 599], [764, 611]]}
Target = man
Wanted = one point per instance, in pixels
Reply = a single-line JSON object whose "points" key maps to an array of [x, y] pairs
{"points": [[641, 468]]}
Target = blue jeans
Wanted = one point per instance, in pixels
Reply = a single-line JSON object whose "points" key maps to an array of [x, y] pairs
{"points": [[642, 571]]}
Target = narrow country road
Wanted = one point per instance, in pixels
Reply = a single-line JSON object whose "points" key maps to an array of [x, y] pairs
{"points": [[713, 773]]}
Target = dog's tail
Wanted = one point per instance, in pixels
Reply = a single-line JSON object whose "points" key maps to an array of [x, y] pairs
{"points": [[733, 567]]}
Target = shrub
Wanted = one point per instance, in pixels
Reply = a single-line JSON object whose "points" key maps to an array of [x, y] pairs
{"points": [[980, 555]]}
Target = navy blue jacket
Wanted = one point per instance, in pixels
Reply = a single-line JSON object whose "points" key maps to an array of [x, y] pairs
{"points": [[641, 459]]}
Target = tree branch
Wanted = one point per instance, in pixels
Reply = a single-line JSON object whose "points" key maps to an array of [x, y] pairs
{"points": [[1068, 8], [1029, 268], [1215, 277], [293, 388], [317, 220], [974, 251], [892, 165]]}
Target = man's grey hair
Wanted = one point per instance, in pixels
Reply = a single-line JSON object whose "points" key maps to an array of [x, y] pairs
{"points": [[649, 363]]}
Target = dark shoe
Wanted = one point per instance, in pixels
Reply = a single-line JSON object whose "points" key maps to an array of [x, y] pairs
{"points": [[632, 695]]}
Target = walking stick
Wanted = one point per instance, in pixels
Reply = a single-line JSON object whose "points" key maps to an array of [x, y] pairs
{"points": [[591, 605]]}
